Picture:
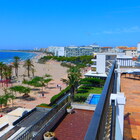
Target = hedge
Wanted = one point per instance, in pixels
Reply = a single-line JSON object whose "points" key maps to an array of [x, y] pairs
{"points": [[80, 97], [44, 105], [56, 97]]}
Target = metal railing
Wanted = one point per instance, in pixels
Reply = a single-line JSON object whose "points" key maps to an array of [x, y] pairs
{"points": [[28, 133], [96, 129]]}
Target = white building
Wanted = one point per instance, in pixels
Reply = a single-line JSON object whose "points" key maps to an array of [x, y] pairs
{"points": [[101, 64], [71, 51], [57, 51], [131, 51], [138, 48]]}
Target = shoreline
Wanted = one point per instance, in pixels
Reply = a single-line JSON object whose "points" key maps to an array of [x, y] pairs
{"points": [[33, 56]]}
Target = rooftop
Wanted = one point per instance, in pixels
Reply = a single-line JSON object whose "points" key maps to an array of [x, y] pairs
{"points": [[74, 126], [131, 48], [131, 88]]}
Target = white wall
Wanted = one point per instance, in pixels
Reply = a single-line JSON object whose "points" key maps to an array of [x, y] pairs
{"points": [[138, 47], [61, 51], [101, 62], [58, 51]]}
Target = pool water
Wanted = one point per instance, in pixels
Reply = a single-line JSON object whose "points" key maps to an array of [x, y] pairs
{"points": [[95, 99]]}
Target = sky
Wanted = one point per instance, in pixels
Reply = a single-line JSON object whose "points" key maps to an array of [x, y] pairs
{"points": [[28, 24]]}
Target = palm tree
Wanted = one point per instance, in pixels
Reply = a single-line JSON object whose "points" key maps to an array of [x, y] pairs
{"points": [[33, 71], [73, 80], [9, 72], [16, 64], [1, 69], [28, 65]]}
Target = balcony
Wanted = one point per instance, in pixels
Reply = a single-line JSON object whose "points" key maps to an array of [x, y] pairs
{"points": [[93, 66], [94, 60], [103, 120]]}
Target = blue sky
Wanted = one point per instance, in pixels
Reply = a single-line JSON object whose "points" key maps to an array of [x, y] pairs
{"points": [[26, 24]]}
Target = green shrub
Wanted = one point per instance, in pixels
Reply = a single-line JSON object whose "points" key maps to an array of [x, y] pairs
{"points": [[85, 87], [44, 105], [82, 91], [80, 97], [56, 97], [95, 82]]}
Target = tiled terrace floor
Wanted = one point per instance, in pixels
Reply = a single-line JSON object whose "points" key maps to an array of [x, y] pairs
{"points": [[131, 89], [74, 126]]}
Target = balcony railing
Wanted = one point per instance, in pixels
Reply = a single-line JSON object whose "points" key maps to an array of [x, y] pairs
{"points": [[38, 128], [102, 123]]}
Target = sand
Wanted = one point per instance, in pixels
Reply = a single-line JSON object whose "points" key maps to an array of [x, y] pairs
{"points": [[51, 67]]}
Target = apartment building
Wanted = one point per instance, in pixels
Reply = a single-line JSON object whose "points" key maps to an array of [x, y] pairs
{"points": [[131, 51], [103, 61], [57, 51], [81, 50]]}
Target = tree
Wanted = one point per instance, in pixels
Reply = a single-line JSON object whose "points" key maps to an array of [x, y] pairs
{"points": [[73, 80], [39, 81], [21, 89], [1, 69], [16, 64], [28, 65], [6, 97]]}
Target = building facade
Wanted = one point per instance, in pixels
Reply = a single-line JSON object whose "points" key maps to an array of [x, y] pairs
{"points": [[81, 50], [57, 51]]}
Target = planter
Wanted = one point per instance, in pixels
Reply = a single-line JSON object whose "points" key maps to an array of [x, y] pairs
{"points": [[70, 110], [49, 136]]}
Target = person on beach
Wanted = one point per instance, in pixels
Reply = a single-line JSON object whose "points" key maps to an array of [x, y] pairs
{"points": [[60, 87], [42, 94]]}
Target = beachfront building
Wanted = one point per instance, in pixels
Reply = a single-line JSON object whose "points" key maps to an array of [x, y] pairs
{"points": [[131, 51], [103, 61], [120, 49], [101, 65], [57, 51], [81, 50]]}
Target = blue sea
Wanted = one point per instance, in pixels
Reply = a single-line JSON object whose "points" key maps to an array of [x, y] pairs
{"points": [[7, 57]]}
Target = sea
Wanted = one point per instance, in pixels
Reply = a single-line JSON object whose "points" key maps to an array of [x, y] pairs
{"points": [[8, 57]]}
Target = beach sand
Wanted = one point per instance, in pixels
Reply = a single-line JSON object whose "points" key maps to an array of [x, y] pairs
{"points": [[51, 67]]}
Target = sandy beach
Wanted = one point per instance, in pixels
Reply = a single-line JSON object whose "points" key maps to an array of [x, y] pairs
{"points": [[51, 67]]}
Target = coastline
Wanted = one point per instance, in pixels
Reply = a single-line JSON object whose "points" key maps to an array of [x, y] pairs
{"points": [[24, 56]]}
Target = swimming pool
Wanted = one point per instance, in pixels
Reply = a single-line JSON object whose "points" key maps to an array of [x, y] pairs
{"points": [[94, 99]]}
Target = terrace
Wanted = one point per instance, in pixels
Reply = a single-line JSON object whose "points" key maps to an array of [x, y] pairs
{"points": [[131, 87], [71, 128]]}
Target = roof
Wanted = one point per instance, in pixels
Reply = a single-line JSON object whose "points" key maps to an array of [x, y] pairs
{"points": [[134, 58], [74, 126], [122, 47], [131, 48]]}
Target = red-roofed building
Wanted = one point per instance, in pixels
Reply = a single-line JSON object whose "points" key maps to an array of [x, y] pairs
{"points": [[131, 51]]}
